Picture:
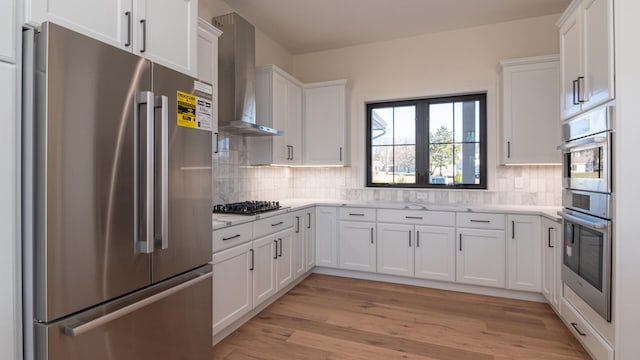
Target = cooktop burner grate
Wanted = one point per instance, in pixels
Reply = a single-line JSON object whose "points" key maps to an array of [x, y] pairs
{"points": [[246, 207]]}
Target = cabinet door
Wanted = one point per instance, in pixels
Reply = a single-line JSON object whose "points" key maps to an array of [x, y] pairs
{"points": [[208, 67], [523, 253], [570, 65], [357, 245], [8, 28], [109, 21], [284, 265], [597, 21], [325, 123], [293, 131], [529, 125], [166, 32], [395, 249], [232, 285], [310, 238], [326, 237], [551, 263], [435, 253], [480, 258], [279, 117], [298, 246], [264, 269]]}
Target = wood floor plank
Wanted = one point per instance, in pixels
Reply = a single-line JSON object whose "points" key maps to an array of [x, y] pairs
{"points": [[328, 317]]}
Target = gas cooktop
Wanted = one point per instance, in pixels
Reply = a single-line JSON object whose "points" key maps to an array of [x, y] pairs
{"points": [[246, 207]]}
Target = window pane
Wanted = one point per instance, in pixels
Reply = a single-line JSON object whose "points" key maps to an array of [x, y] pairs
{"points": [[441, 123], [404, 125], [382, 126], [467, 121], [382, 164], [404, 169], [441, 162], [467, 169]]}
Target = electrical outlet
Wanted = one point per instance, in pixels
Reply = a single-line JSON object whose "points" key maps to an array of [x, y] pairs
{"points": [[518, 183]]}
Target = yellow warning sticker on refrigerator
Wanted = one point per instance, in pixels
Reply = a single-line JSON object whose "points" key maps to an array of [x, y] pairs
{"points": [[194, 112], [186, 109]]}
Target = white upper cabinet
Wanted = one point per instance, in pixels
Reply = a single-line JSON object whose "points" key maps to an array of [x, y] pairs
{"points": [[586, 51], [326, 123], [530, 110], [8, 31], [162, 31], [207, 70], [278, 105]]}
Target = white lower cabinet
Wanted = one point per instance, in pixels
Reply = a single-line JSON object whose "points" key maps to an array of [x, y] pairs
{"points": [[357, 245], [232, 285], [298, 244], [480, 258], [284, 262], [326, 236], [523, 253], [264, 274], [551, 263], [310, 238], [435, 253], [395, 249]]}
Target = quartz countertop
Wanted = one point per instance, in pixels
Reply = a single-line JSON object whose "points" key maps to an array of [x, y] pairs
{"points": [[224, 220]]}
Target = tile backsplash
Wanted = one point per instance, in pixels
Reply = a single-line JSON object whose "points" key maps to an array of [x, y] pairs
{"points": [[235, 181]]}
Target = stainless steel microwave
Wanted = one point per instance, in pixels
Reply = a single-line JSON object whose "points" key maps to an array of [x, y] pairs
{"points": [[588, 141]]}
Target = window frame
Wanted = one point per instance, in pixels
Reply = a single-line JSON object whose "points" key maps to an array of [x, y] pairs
{"points": [[422, 140]]}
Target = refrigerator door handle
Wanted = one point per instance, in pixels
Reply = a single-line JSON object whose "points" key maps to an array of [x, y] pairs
{"points": [[145, 245], [90, 325], [163, 103]]}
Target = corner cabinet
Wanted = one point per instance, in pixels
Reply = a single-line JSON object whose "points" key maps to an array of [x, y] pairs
{"points": [[278, 105], [586, 56], [164, 32], [326, 123], [530, 110]]}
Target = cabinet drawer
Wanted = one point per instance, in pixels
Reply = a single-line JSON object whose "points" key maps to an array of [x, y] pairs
{"points": [[272, 224], [357, 214], [480, 221], [232, 236], [592, 341], [418, 217]]}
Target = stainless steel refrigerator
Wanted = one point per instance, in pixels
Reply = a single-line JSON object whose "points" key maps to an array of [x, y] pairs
{"points": [[117, 204]]}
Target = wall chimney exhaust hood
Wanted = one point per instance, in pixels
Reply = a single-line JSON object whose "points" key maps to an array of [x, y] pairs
{"points": [[237, 78]]}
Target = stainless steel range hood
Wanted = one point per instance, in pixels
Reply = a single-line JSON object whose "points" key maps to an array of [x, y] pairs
{"points": [[237, 78]]}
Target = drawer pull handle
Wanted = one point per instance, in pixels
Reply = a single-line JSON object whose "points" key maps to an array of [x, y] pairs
{"points": [[231, 237], [480, 221], [278, 223], [413, 217], [575, 326], [355, 214]]}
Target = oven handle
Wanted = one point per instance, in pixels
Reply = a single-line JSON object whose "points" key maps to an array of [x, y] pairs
{"points": [[581, 142], [586, 223]]}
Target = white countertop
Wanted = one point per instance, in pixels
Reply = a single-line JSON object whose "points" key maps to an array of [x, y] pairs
{"points": [[224, 220]]}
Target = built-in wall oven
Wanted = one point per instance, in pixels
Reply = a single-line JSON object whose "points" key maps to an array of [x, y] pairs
{"points": [[587, 200]]}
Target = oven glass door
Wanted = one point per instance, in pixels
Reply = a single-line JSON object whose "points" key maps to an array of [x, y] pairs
{"points": [[585, 163], [584, 253]]}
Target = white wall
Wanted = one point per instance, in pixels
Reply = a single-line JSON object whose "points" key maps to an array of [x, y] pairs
{"points": [[626, 234], [267, 50], [451, 62]]}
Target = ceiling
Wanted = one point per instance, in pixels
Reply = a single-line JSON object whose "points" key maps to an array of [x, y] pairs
{"points": [[303, 26]]}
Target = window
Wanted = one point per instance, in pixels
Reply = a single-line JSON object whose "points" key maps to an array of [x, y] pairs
{"points": [[428, 143]]}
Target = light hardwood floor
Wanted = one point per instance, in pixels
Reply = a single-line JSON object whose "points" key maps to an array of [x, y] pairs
{"points": [[328, 317]]}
